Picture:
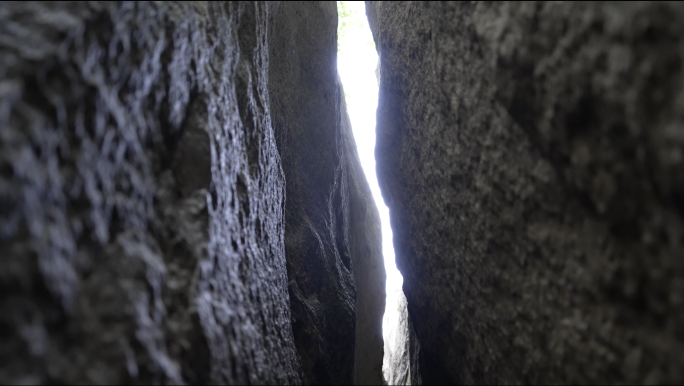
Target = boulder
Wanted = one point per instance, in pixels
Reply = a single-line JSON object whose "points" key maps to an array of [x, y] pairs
{"points": [[149, 231], [141, 195], [531, 157]]}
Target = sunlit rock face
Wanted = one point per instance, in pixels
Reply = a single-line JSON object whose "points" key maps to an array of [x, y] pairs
{"points": [[531, 157], [332, 228], [141, 196], [400, 365]]}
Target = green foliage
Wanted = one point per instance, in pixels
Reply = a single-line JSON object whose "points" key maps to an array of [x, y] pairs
{"points": [[352, 32], [350, 29]]}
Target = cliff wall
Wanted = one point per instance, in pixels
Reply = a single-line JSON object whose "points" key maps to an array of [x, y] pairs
{"points": [[531, 157], [145, 213]]}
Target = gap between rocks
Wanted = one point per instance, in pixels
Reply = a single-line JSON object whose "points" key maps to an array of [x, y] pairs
{"points": [[357, 65]]}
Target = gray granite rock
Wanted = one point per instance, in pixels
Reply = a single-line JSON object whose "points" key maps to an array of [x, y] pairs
{"points": [[332, 228], [531, 157], [141, 196], [401, 360]]}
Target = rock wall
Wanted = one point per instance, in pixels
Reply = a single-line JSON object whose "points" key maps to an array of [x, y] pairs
{"points": [[145, 221], [365, 239], [531, 157], [401, 360], [332, 228]]}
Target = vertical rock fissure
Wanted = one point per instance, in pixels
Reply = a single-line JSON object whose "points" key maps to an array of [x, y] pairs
{"points": [[332, 233], [357, 65], [181, 199]]}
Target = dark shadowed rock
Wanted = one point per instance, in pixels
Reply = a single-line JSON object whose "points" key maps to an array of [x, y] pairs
{"points": [[141, 196], [332, 230], [531, 155], [145, 233]]}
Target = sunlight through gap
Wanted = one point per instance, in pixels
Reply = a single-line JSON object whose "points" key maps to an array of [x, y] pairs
{"points": [[356, 63]]}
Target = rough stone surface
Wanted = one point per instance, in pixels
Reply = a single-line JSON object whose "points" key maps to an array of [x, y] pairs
{"points": [[365, 239], [400, 365], [141, 196], [531, 154], [332, 228]]}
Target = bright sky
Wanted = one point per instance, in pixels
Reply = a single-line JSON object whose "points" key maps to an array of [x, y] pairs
{"points": [[356, 64]]}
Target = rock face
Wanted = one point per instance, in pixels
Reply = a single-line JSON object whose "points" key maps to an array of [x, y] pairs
{"points": [[365, 244], [142, 232], [531, 157], [332, 228], [400, 365], [143, 209]]}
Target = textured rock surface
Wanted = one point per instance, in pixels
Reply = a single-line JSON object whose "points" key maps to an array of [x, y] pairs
{"points": [[141, 192], [332, 229], [400, 365], [365, 239], [531, 155]]}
